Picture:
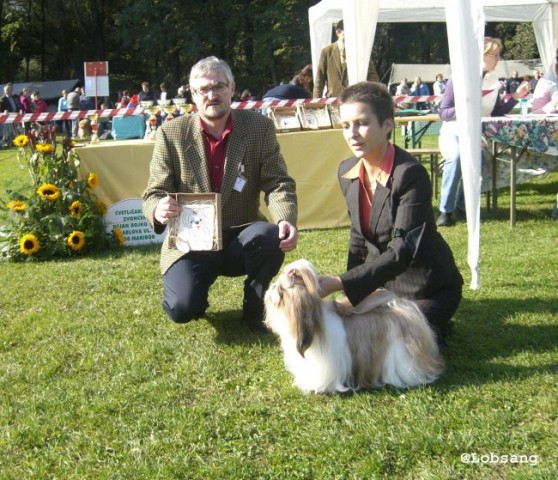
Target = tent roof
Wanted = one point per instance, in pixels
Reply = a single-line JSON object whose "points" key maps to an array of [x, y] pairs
{"points": [[428, 72], [49, 90]]}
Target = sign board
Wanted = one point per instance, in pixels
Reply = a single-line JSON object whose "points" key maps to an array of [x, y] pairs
{"points": [[128, 215], [96, 79]]}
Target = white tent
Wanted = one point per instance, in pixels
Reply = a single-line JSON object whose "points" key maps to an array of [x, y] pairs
{"points": [[465, 20]]}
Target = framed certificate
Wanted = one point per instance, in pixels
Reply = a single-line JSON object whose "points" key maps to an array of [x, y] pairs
{"points": [[198, 226]]}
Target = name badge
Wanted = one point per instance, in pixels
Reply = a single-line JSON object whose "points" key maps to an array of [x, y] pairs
{"points": [[239, 183]]}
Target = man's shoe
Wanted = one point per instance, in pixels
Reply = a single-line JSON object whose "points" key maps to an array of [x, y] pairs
{"points": [[444, 220]]}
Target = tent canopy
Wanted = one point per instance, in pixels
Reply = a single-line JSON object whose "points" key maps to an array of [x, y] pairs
{"points": [[542, 13], [465, 19], [50, 91]]}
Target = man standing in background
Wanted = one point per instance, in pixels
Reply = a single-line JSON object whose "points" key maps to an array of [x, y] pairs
{"points": [[331, 74]]}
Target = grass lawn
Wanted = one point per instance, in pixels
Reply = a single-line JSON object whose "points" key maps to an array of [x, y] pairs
{"points": [[96, 383]]}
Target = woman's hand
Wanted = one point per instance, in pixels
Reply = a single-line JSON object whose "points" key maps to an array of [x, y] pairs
{"points": [[329, 284]]}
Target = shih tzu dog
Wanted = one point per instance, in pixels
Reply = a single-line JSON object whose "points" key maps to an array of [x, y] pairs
{"points": [[330, 346]]}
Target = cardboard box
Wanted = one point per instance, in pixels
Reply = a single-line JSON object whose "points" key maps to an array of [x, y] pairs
{"points": [[199, 225]]}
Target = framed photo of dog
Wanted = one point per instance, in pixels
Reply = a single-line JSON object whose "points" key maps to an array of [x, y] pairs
{"points": [[198, 227]]}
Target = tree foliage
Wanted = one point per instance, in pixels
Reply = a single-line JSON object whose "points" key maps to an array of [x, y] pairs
{"points": [[265, 41]]}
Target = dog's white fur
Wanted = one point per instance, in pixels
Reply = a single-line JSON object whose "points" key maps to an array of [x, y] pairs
{"points": [[329, 347]]}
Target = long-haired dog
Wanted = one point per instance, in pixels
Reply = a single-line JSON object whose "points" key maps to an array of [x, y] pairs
{"points": [[331, 347]]}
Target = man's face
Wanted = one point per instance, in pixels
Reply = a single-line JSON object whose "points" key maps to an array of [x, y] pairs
{"points": [[7, 90], [212, 95]]}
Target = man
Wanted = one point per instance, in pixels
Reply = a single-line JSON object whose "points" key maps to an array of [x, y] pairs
{"points": [[235, 153], [513, 82], [73, 103], [332, 67], [146, 94], [8, 104]]}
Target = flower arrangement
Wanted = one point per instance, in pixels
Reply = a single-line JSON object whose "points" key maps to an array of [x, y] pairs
{"points": [[60, 215]]}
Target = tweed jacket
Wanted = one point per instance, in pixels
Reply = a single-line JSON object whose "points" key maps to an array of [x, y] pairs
{"points": [[333, 75], [406, 254], [179, 164]]}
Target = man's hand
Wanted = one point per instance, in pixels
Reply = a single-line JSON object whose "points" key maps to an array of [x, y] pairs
{"points": [[288, 234], [329, 284], [166, 209]]}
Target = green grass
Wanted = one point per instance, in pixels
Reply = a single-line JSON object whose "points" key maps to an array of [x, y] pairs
{"points": [[96, 383]]}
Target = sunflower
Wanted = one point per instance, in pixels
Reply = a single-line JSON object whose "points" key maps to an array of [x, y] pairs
{"points": [[16, 205], [49, 191], [76, 208], [76, 240], [29, 244], [44, 148], [21, 141], [119, 236], [92, 181]]}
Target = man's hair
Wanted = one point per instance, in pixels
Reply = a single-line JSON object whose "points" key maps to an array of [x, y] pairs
{"points": [[374, 94], [339, 25], [210, 65]]}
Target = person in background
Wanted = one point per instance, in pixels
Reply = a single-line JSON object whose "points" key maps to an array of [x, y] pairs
{"points": [[419, 89], [535, 79], [65, 125], [394, 242], [8, 104], [439, 85], [452, 200], [300, 86], [74, 104], [25, 106], [513, 82], [146, 93], [545, 96], [234, 153], [164, 92], [331, 75]]}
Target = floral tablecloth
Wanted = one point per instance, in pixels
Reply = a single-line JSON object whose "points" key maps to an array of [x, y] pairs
{"points": [[537, 133]]}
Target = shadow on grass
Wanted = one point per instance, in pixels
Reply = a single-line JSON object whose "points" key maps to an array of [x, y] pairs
{"points": [[231, 330], [486, 346]]}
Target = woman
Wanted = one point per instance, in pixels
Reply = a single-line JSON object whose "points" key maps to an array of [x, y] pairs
{"points": [[394, 243], [300, 86], [451, 196], [545, 96]]}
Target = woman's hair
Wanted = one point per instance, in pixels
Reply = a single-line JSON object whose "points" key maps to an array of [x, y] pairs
{"points": [[492, 45], [374, 94], [297, 79], [210, 65]]}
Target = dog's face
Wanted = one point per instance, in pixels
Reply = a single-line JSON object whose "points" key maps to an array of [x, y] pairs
{"points": [[293, 304]]}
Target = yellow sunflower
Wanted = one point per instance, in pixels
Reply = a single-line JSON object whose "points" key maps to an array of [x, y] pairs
{"points": [[29, 244], [49, 191], [44, 148], [92, 181], [76, 208], [16, 205], [21, 141], [76, 240], [119, 236]]}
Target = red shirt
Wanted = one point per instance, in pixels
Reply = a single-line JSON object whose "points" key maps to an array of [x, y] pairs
{"points": [[366, 197], [215, 149]]}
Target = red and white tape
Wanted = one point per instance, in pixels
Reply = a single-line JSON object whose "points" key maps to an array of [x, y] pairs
{"points": [[256, 104]]}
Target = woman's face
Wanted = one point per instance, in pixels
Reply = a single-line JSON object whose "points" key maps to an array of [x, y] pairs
{"points": [[490, 60], [362, 130]]}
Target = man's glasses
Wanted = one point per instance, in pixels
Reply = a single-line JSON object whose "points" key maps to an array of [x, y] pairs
{"points": [[218, 88]]}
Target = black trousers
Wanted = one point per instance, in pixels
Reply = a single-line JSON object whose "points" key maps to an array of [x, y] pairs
{"points": [[252, 251]]}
